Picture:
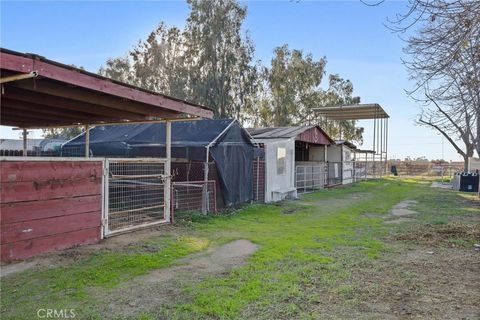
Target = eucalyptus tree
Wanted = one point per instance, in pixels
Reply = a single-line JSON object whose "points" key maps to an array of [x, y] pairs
{"points": [[210, 62], [340, 93], [293, 83], [219, 56], [293, 87], [156, 63]]}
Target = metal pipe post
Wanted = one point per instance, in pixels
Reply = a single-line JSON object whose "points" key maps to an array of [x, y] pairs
{"points": [[167, 169], [258, 176], [205, 185], [87, 141], [381, 146], [386, 145]]}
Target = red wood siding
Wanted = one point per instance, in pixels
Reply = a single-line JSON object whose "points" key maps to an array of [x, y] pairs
{"points": [[314, 135], [99, 84], [48, 205]]}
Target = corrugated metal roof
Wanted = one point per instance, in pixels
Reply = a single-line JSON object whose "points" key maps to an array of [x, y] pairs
{"points": [[267, 141], [347, 143], [277, 132], [353, 112]]}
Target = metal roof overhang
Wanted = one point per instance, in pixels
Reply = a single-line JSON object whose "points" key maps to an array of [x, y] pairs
{"points": [[353, 112], [364, 151], [39, 93]]}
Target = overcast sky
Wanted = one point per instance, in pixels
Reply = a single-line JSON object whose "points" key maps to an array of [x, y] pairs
{"points": [[349, 34]]}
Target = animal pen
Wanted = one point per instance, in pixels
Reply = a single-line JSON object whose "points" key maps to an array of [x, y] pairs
{"points": [[51, 203], [210, 157]]}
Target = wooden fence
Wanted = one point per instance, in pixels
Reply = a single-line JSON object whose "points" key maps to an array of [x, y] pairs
{"points": [[49, 205]]}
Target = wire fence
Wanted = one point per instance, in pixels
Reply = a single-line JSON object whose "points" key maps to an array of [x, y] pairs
{"points": [[426, 169], [258, 180], [34, 151], [348, 172], [334, 173], [136, 193], [194, 196]]}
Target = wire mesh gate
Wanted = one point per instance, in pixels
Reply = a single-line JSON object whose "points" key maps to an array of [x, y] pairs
{"points": [[134, 193]]}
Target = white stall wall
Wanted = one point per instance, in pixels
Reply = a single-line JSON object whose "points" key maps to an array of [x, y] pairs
{"points": [[334, 153], [347, 165], [343, 154], [277, 186]]}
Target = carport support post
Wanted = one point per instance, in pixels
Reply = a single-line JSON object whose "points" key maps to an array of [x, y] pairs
{"points": [[24, 137], [326, 173], [366, 165], [168, 153], [87, 141]]}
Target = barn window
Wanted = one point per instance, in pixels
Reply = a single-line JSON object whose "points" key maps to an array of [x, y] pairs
{"points": [[281, 160]]}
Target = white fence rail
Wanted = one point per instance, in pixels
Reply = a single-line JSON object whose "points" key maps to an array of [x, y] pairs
{"points": [[309, 177]]}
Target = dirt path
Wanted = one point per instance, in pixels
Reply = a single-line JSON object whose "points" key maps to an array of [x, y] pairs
{"points": [[401, 212], [162, 286]]}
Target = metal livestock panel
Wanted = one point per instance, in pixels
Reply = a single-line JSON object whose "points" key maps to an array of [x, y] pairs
{"points": [[309, 178], [134, 195]]}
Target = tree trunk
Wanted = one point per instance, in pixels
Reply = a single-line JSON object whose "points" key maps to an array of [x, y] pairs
{"points": [[465, 163], [477, 142]]}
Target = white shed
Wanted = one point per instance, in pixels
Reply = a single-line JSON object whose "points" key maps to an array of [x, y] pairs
{"points": [[279, 168], [294, 159]]}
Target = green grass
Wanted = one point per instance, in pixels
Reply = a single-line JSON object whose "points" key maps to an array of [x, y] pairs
{"points": [[293, 247], [303, 245], [66, 286]]}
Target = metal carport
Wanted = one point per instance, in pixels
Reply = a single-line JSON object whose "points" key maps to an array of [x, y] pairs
{"points": [[371, 111]]}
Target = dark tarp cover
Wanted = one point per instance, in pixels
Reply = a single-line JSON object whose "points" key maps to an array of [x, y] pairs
{"points": [[233, 152]]}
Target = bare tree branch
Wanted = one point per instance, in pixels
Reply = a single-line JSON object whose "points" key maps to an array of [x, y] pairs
{"points": [[443, 60]]}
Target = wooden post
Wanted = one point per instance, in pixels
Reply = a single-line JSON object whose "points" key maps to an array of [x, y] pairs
{"points": [[168, 163], [24, 136]]}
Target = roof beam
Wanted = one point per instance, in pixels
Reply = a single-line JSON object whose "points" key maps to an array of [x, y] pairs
{"points": [[29, 116], [89, 97], [27, 123], [33, 108], [68, 105], [99, 84]]}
